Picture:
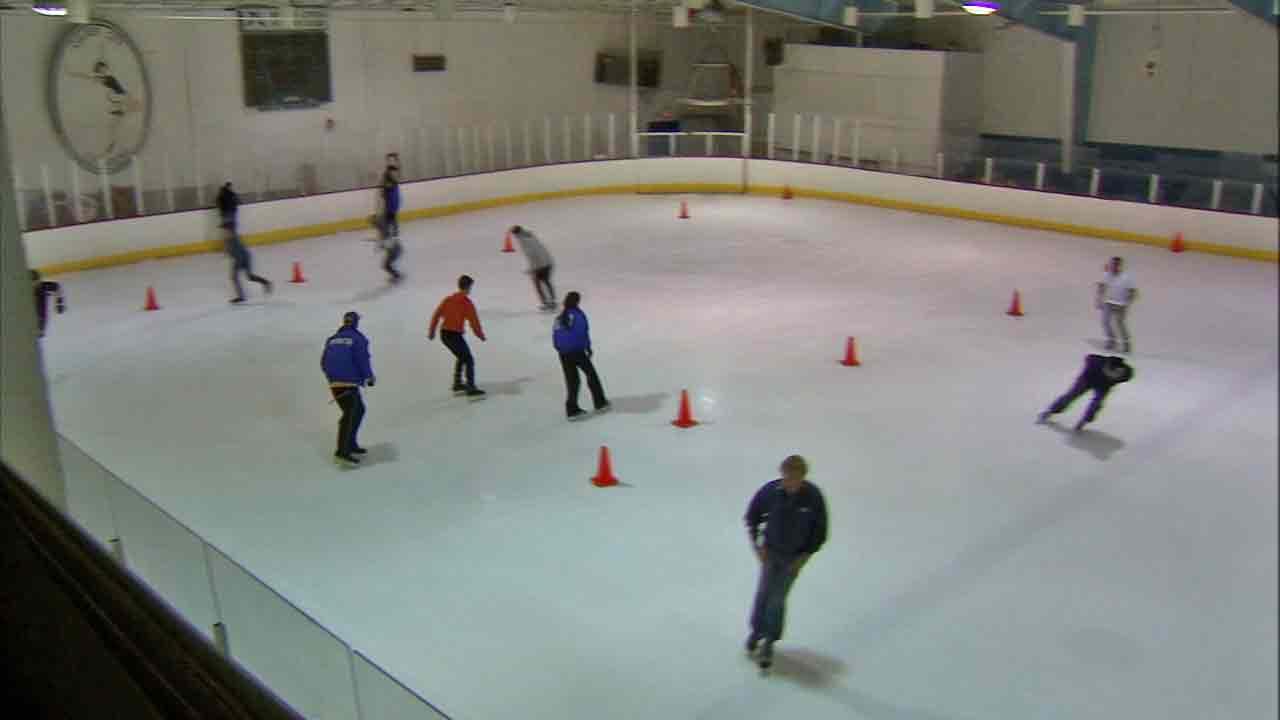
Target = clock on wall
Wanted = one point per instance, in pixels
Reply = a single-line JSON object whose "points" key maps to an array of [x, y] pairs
{"points": [[99, 96]]}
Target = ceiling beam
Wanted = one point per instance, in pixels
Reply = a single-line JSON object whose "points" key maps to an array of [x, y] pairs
{"points": [[1262, 9]]}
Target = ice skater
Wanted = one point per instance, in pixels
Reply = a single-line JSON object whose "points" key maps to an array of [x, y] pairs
{"points": [[1100, 374], [119, 101], [572, 339], [346, 366], [540, 265], [390, 194], [389, 244], [1116, 293], [43, 289], [241, 262], [453, 314], [794, 514], [228, 206]]}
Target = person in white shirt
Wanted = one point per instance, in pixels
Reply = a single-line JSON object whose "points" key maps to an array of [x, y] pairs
{"points": [[540, 265], [1116, 293]]}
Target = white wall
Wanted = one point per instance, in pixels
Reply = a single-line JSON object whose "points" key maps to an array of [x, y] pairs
{"points": [[905, 99], [1216, 87], [540, 67], [496, 72]]}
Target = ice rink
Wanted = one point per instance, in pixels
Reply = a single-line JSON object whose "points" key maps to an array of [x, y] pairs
{"points": [[978, 567]]}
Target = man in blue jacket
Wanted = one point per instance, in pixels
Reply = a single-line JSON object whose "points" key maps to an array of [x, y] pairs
{"points": [[794, 514], [572, 339], [346, 365]]}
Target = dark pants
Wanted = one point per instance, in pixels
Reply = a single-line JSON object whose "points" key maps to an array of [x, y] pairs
{"points": [[768, 613], [571, 363], [394, 250], [352, 414], [242, 263], [1080, 387], [457, 345], [542, 283], [42, 311], [391, 223]]}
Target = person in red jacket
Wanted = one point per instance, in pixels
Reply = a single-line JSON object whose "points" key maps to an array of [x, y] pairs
{"points": [[452, 315]]}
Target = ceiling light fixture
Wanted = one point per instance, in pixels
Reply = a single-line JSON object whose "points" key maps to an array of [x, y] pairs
{"points": [[980, 7], [49, 9]]}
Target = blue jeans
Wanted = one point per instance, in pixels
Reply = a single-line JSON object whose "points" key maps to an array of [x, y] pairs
{"points": [[769, 611]]}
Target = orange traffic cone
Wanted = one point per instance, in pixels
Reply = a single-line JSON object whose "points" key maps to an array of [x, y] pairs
{"points": [[506, 244], [1178, 245], [298, 279], [1015, 307], [786, 192], [684, 211], [604, 474], [850, 354], [151, 300], [685, 417]]}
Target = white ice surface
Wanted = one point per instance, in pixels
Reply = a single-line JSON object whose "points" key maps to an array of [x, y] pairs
{"points": [[979, 566]]}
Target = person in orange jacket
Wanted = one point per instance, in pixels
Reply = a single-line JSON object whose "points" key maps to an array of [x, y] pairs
{"points": [[456, 311]]}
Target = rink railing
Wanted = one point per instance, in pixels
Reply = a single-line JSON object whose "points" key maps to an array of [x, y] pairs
{"points": [[305, 664], [58, 193]]}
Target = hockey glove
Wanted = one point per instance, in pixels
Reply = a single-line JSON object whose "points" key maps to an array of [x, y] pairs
{"points": [[61, 306], [371, 381]]}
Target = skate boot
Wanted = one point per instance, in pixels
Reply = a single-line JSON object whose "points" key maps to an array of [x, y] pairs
{"points": [[604, 408], [474, 393], [753, 642], [458, 387], [1043, 417], [348, 461], [577, 415], [765, 657]]}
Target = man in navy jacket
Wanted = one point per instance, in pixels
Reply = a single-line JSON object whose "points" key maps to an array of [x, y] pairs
{"points": [[1100, 374], [795, 518], [346, 365], [572, 339]]}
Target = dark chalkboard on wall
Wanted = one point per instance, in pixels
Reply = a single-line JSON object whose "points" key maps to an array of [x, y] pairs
{"points": [[285, 69]]}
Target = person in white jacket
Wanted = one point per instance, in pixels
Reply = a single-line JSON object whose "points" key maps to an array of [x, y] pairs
{"points": [[540, 265]]}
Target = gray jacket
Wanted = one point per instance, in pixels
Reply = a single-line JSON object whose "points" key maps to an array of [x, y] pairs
{"points": [[534, 250]]}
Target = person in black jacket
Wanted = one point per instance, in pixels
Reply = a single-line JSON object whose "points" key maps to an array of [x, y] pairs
{"points": [[795, 518], [228, 206], [43, 289], [1100, 374]]}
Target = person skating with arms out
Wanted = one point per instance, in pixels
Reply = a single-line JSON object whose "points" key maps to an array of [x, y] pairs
{"points": [[572, 339], [452, 315], [346, 366], [794, 514], [1100, 374]]}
